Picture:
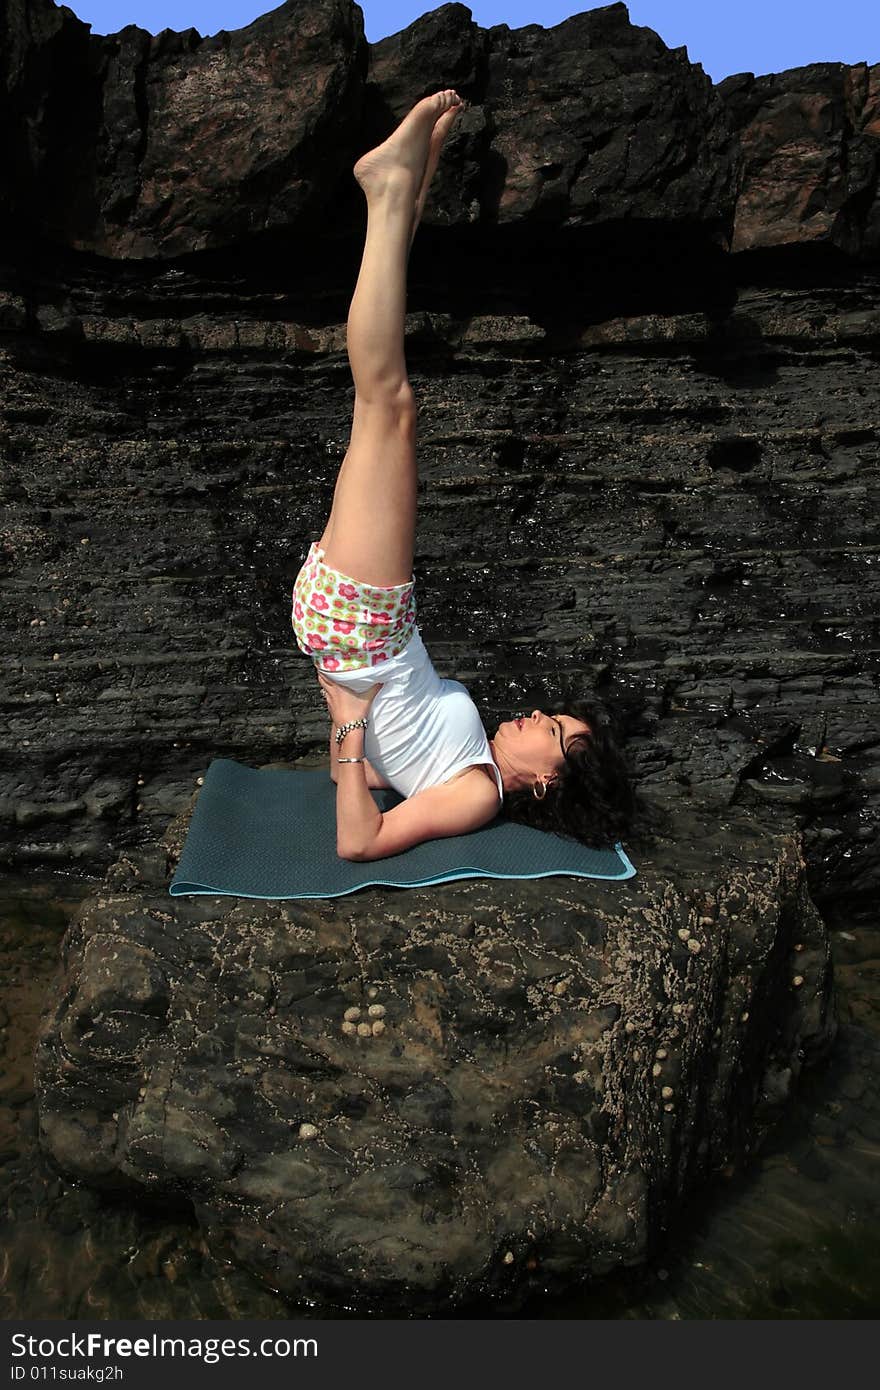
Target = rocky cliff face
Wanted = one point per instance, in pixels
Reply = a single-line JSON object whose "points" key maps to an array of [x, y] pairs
{"points": [[133, 145], [671, 447], [643, 333], [668, 446]]}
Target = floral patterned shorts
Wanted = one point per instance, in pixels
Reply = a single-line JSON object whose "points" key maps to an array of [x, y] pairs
{"points": [[345, 625]]}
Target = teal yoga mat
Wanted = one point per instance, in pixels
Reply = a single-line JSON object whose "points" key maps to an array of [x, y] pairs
{"points": [[271, 833]]}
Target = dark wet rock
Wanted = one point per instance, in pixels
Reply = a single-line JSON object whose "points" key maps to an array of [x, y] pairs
{"points": [[693, 519], [561, 1063]]}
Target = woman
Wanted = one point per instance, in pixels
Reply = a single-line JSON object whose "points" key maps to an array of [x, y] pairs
{"points": [[411, 730]]}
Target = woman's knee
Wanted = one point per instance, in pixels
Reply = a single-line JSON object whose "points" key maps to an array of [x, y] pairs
{"points": [[394, 398]]}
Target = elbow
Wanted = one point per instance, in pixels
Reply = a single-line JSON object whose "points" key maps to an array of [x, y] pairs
{"points": [[350, 852]]}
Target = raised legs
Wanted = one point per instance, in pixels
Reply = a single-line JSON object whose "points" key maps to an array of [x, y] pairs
{"points": [[371, 529]]}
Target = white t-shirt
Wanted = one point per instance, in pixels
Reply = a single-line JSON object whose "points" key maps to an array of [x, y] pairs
{"points": [[421, 728]]}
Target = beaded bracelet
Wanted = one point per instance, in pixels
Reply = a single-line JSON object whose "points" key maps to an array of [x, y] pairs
{"points": [[347, 728]]}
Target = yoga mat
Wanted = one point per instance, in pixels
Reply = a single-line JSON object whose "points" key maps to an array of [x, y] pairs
{"points": [[272, 834]]}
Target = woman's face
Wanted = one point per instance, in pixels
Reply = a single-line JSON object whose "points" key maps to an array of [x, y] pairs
{"points": [[532, 744]]}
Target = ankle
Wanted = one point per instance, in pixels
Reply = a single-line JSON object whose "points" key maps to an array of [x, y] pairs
{"points": [[391, 192]]}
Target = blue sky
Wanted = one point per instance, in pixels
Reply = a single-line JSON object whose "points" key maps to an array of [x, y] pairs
{"points": [[741, 36]]}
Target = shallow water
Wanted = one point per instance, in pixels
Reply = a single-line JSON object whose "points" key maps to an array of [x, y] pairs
{"points": [[796, 1236]]}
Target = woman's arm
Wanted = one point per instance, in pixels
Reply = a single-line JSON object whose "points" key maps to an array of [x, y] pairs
{"points": [[374, 778], [362, 831], [434, 814], [357, 816]]}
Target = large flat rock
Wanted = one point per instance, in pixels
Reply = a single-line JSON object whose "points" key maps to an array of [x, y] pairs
{"points": [[537, 1076]]}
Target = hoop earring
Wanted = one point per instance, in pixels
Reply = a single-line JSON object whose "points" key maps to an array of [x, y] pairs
{"points": [[543, 786]]}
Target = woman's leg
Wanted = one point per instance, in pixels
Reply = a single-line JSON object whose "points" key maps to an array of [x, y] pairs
{"points": [[371, 530]]}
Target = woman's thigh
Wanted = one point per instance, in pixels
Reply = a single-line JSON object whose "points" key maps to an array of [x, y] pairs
{"points": [[371, 530]]}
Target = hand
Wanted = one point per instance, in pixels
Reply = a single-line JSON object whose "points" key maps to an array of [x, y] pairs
{"points": [[343, 704]]}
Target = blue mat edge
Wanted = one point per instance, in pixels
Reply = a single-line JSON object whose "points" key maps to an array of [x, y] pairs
{"points": [[185, 888], [179, 890]]}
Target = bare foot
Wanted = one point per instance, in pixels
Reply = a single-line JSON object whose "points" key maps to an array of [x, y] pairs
{"points": [[400, 161], [441, 129]]}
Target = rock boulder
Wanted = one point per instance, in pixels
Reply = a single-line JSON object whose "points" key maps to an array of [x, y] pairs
{"points": [[398, 1098]]}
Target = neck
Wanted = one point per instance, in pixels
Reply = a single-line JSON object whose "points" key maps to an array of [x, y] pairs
{"points": [[505, 767]]}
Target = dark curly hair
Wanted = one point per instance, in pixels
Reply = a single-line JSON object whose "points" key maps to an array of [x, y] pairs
{"points": [[593, 799]]}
